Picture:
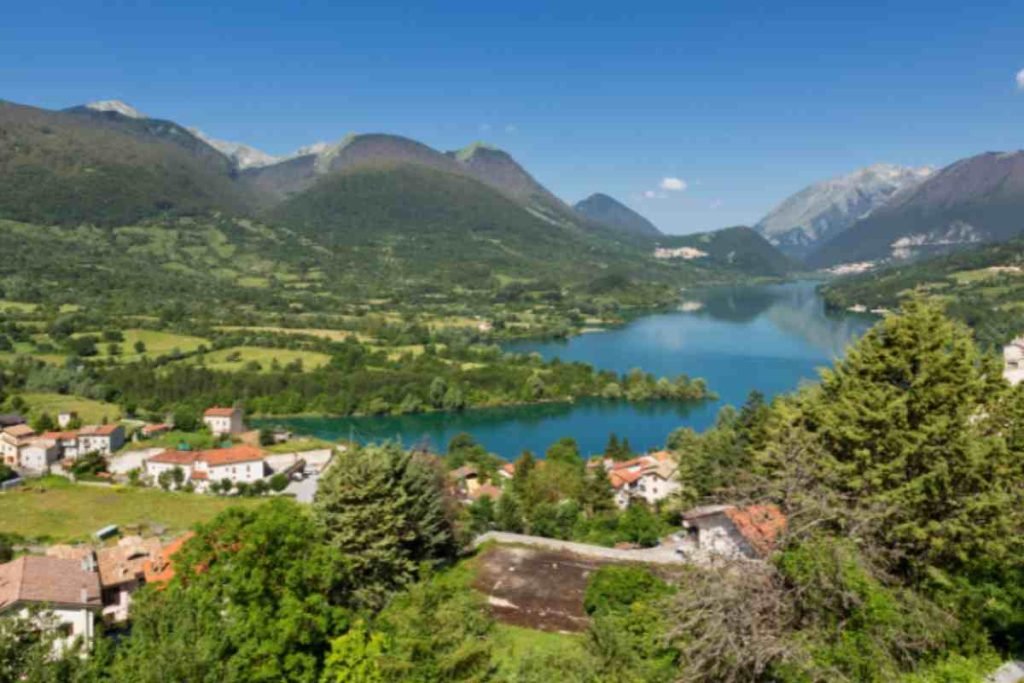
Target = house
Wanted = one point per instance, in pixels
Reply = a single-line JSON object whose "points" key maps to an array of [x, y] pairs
{"points": [[68, 590], [67, 442], [650, 478], [223, 421], [38, 454], [238, 464], [12, 440], [149, 431], [466, 478], [732, 532], [507, 471], [64, 419], [1013, 361], [122, 572], [102, 439]]}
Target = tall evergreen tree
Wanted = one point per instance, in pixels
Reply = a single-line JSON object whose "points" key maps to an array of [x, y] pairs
{"points": [[909, 430], [383, 510]]}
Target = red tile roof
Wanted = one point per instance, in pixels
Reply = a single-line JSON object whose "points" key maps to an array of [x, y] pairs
{"points": [[156, 429], [172, 457], [620, 479], [230, 456], [50, 580], [99, 430], [60, 436], [760, 525], [219, 412]]}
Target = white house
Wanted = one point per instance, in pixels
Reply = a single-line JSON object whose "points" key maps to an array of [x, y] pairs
{"points": [[730, 532], [67, 590], [222, 421], [38, 454], [241, 463], [1013, 361], [650, 478], [12, 440], [102, 439]]}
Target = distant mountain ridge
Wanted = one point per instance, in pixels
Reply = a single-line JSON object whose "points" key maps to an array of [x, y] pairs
{"points": [[971, 201], [825, 209], [608, 211], [740, 248]]}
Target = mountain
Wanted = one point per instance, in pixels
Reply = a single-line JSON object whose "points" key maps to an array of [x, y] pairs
{"points": [[820, 211], [974, 200], [738, 248], [243, 155], [116, 106], [600, 208], [423, 216], [105, 167]]}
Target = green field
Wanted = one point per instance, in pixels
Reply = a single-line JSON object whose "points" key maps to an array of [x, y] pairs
{"points": [[54, 509], [157, 344], [237, 357], [90, 411], [514, 645]]}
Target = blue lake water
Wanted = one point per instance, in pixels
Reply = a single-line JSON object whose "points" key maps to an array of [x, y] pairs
{"points": [[769, 338]]}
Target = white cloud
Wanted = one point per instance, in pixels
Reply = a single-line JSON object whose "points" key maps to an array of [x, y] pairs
{"points": [[511, 129], [650, 194], [673, 184], [716, 204], [484, 127], [1020, 79]]}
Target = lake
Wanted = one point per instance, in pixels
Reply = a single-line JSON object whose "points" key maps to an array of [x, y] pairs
{"points": [[769, 338]]}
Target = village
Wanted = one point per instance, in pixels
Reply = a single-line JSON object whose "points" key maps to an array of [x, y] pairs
{"points": [[72, 587]]}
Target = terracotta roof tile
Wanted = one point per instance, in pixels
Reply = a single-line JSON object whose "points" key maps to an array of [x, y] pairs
{"points": [[229, 456], [217, 411], [39, 579], [99, 430], [172, 457], [760, 525]]}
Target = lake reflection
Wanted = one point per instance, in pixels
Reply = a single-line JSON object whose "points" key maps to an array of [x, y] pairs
{"points": [[768, 338]]}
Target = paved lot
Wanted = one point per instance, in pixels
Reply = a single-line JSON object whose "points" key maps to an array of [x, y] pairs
{"points": [[659, 555]]}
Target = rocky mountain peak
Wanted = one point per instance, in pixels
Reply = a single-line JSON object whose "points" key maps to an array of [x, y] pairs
{"points": [[117, 106]]}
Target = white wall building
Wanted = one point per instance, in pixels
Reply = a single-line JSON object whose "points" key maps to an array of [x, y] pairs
{"points": [[650, 478], [102, 439], [67, 590], [38, 454], [223, 421], [730, 532], [12, 440], [238, 464]]}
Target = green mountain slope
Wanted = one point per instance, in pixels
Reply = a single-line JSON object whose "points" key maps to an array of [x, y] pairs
{"points": [[68, 169], [609, 212], [739, 248], [983, 286], [429, 222]]}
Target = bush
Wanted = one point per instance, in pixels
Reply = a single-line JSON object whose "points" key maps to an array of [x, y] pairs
{"points": [[615, 588]]}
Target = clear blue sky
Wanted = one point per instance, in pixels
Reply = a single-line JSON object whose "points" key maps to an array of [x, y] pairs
{"points": [[744, 102]]}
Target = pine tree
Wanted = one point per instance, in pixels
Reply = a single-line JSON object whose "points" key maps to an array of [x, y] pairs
{"points": [[384, 512], [909, 425]]}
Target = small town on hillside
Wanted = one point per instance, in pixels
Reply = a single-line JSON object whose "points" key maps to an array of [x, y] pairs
{"points": [[73, 587]]}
